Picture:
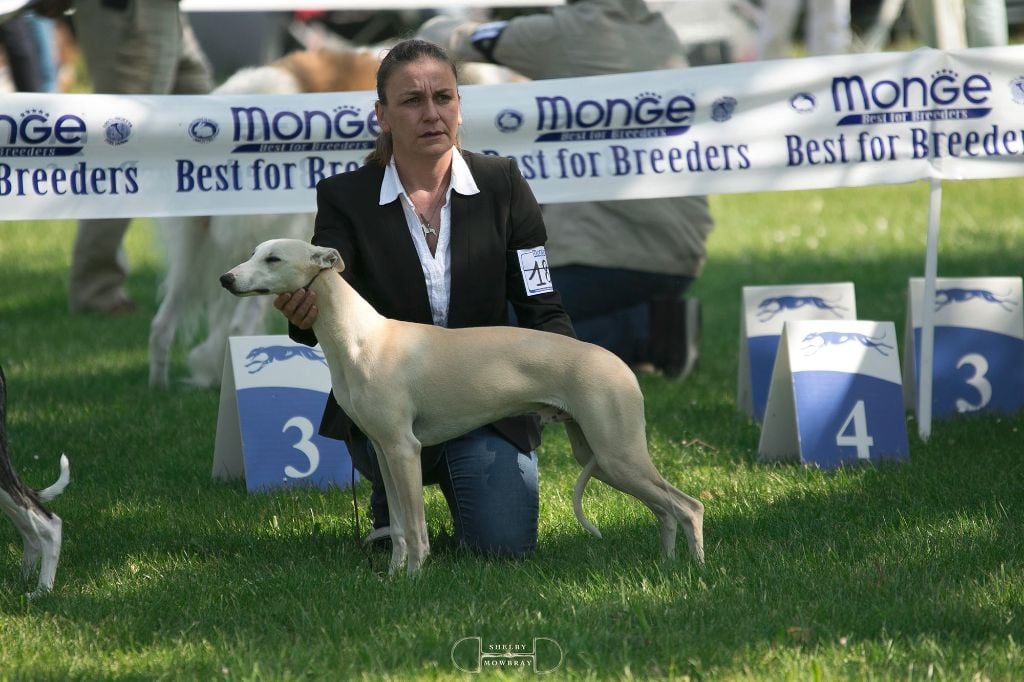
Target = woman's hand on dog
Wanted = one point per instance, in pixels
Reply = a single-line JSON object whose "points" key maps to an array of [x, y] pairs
{"points": [[299, 307]]}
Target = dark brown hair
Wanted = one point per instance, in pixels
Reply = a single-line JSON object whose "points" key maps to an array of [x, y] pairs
{"points": [[405, 52]]}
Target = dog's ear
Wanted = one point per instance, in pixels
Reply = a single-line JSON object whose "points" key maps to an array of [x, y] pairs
{"points": [[328, 258]]}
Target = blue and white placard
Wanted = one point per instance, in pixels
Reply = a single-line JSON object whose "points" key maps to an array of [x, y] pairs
{"points": [[836, 396], [978, 356], [271, 398], [765, 310]]}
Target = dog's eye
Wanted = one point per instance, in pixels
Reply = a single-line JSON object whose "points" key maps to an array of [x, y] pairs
{"points": [[273, 259]]}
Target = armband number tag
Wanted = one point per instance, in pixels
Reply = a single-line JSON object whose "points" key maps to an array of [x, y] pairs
{"points": [[536, 276]]}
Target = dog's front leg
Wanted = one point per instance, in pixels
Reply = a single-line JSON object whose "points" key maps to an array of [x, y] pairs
{"points": [[402, 457], [395, 515]]}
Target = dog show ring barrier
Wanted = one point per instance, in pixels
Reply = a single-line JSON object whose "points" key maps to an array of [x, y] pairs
{"points": [[842, 121]]}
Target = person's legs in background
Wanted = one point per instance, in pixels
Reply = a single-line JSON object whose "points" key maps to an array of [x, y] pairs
{"points": [[775, 27], [130, 47], [828, 27], [986, 23], [17, 40], [639, 316], [44, 32]]}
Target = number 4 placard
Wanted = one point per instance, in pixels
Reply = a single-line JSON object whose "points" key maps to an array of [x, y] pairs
{"points": [[271, 398], [836, 396]]}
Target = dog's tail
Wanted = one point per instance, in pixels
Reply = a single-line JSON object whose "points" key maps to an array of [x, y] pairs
{"points": [[57, 488], [577, 497]]}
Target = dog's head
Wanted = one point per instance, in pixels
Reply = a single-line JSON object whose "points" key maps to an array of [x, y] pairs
{"points": [[278, 266]]}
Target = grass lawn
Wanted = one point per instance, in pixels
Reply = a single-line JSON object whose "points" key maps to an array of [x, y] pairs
{"points": [[912, 571]]}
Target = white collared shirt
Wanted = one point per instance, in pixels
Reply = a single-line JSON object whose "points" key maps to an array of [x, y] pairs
{"points": [[436, 267]]}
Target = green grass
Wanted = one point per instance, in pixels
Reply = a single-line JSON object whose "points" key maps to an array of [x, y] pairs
{"points": [[912, 571]]}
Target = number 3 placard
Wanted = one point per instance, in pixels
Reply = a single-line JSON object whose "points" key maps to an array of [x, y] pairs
{"points": [[978, 357], [836, 396], [272, 395]]}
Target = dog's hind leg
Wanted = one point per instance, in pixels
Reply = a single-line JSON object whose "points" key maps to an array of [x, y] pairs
{"points": [[228, 317], [636, 475], [41, 537], [48, 531], [668, 504]]}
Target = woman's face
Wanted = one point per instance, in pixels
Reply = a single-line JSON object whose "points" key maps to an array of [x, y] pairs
{"points": [[422, 111]]}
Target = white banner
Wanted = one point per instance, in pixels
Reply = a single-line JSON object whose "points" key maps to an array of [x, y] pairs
{"points": [[778, 125], [292, 5]]}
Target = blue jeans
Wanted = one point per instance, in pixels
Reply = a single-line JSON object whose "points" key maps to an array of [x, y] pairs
{"points": [[490, 487], [609, 307]]}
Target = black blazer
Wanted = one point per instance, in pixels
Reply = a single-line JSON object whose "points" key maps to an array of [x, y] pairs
{"points": [[487, 231]]}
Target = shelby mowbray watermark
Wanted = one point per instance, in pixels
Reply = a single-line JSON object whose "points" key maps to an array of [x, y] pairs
{"points": [[471, 655]]}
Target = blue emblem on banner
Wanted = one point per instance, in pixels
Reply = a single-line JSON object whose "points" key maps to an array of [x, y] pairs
{"points": [[1017, 89], [508, 120], [803, 103], [722, 109], [117, 131], [203, 130]]}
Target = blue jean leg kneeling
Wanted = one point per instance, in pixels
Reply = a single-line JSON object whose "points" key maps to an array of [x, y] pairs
{"points": [[490, 487]]}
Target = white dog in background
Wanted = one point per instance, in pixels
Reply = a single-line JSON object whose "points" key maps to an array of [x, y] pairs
{"points": [[199, 248]]}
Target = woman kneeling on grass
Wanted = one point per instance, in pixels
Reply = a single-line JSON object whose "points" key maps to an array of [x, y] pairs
{"points": [[430, 233]]}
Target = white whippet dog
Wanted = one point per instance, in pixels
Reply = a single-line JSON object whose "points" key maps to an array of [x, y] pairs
{"points": [[40, 528], [409, 385]]}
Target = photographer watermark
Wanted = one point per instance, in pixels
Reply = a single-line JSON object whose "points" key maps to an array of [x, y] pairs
{"points": [[471, 655]]}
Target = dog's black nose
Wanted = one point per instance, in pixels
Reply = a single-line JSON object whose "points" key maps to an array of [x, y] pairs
{"points": [[226, 280]]}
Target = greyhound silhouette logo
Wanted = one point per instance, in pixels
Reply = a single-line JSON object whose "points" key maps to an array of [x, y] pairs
{"points": [[471, 655], [944, 297], [770, 307], [815, 341], [258, 358]]}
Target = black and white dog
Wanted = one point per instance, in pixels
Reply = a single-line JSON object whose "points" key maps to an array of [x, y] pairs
{"points": [[40, 528]]}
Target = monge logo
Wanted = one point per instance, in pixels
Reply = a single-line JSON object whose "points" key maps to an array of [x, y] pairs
{"points": [[343, 128], [649, 114], [944, 95], [32, 133]]}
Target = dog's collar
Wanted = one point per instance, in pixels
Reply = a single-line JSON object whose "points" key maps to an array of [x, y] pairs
{"points": [[310, 283]]}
